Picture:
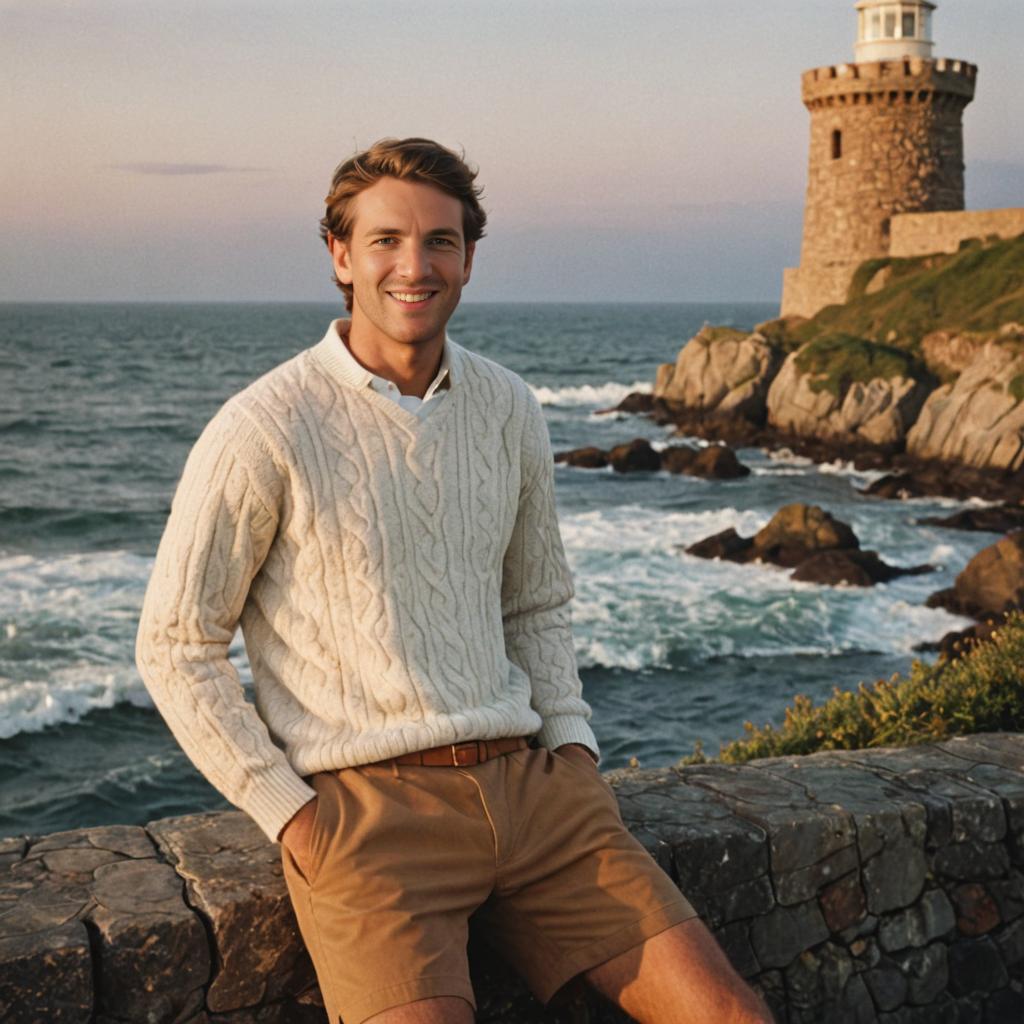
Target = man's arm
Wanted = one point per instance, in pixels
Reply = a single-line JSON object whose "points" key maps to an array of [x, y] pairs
{"points": [[535, 593], [222, 522]]}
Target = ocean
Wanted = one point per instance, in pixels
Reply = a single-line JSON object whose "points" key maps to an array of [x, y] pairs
{"points": [[100, 407]]}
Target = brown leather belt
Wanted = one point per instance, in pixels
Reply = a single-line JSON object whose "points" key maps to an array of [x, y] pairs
{"points": [[460, 755]]}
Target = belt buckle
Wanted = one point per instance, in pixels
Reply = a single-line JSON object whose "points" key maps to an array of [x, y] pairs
{"points": [[461, 749]]}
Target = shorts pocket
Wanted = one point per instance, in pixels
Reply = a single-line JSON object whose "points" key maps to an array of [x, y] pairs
{"points": [[320, 833]]}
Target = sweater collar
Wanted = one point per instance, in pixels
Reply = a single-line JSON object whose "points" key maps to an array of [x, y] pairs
{"points": [[334, 352]]}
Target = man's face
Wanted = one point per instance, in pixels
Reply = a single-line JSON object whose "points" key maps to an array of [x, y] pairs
{"points": [[406, 259]]}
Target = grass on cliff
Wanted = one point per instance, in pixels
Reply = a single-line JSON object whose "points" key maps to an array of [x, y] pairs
{"points": [[979, 288], [836, 361], [980, 691]]}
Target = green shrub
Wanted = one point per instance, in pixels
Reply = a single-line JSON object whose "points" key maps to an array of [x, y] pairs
{"points": [[839, 360], [980, 691]]}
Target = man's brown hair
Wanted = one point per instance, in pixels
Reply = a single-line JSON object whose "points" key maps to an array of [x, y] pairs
{"points": [[419, 160]]}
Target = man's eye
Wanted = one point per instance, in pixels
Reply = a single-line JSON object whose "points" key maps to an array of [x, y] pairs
{"points": [[442, 242], [385, 241]]}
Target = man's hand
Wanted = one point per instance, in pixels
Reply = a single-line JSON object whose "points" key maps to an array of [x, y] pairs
{"points": [[579, 753], [296, 835]]}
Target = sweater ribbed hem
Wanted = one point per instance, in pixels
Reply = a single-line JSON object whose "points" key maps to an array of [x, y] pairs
{"points": [[559, 729], [277, 795]]}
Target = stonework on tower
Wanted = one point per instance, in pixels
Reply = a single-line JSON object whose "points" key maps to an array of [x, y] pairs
{"points": [[886, 139]]}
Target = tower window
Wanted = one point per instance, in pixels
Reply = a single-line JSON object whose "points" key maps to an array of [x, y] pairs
{"points": [[909, 28], [837, 144], [890, 23]]}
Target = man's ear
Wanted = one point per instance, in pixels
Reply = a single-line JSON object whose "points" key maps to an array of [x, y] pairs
{"points": [[339, 257], [470, 250]]}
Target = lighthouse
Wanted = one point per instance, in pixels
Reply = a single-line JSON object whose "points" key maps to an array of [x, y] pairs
{"points": [[886, 140]]}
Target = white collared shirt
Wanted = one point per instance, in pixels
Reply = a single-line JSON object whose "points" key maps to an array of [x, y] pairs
{"points": [[361, 377]]}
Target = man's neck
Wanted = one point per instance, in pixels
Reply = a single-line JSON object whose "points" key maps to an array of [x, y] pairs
{"points": [[410, 367]]}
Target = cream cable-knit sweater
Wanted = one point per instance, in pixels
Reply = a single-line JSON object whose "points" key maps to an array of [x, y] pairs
{"points": [[400, 582]]}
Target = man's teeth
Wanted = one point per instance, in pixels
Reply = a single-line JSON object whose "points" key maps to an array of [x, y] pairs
{"points": [[411, 296]]}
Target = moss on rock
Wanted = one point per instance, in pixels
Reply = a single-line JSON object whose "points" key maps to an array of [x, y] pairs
{"points": [[836, 361]]}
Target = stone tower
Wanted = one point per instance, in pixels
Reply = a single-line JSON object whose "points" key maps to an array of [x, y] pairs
{"points": [[886, 138]]}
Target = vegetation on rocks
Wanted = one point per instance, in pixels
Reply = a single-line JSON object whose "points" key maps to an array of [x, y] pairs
{"points": [[977, 289], [838, 360], [981, 690]]}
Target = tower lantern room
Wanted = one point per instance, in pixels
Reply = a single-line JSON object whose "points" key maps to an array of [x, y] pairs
{"points": [[888, 30]]}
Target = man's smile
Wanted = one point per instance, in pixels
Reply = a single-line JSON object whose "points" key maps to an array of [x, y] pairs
{"points": [[412, 298]]}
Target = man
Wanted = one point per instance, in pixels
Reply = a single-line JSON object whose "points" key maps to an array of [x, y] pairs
{"points": [[378, 513]]}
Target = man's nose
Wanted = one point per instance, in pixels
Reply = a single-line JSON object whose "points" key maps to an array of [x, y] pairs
{"points": [[414, 262]]}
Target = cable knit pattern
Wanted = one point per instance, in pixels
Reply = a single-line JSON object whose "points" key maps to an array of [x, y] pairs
{"points": [[400, 582]]}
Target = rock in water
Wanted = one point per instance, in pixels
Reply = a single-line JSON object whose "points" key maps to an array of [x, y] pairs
{"points": [[715, 462], [992, 582], [853, 568], [797, 531], [635, 456], [1001, 519], [727, 545], [584, 458]]}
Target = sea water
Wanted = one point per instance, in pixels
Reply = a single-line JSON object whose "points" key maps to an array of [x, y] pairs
{"points": [[100, 404]]}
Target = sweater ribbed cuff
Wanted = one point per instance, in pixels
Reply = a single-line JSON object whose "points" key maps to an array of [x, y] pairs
{"points": [[559, 729], [275, 798]]}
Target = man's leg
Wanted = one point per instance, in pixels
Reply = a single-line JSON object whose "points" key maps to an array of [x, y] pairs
{"points": [[679, 976], [442, 1010]]}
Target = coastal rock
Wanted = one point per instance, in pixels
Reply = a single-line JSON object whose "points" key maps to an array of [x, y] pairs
{"points": [[879, 411], [796, 531], [998, 519], [808, 539], [948, 353], [991, 584], [724, 371], [635, 456], [979, 419], [584, 458], [854, 568], [716, 462]]}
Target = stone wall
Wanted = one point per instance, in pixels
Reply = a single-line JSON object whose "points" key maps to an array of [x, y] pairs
{"points": [[882, 885], [918, 234]]}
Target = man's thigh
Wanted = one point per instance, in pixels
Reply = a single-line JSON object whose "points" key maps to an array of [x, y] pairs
{"points": [[575, 888], [398, 862]]}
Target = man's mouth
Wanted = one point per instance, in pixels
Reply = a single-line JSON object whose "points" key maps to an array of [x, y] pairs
{"points": [[412, 298]]}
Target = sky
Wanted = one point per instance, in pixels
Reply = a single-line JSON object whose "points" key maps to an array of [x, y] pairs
{"points": [[640, 151]]}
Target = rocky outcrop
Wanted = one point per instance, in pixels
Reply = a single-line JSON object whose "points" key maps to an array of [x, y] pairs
{"points": [[879, 411], [979, 419], [846, 886], [995, 519], [721, 371], [948, 353], [715, 461], [991, 584], [808, 539]]}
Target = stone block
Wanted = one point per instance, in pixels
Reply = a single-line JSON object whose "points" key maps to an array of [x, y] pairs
{"points": [[1008, 894], [46, 976], [783, 933], [976, 966], [234, 879], [930, 918], [895, 875], [926, 971], [1010, 941], [793, 887], [976, 910], [843, 903], [887, 985], [152, 954], [971, 860], [735, 941]]}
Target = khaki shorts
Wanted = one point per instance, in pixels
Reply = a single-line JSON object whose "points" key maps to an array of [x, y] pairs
{"points": [[401, 856]]}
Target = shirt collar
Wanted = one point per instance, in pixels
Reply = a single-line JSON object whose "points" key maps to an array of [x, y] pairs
{"points": [[353, 373]]}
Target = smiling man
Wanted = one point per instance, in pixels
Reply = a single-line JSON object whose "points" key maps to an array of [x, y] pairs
{"points": [[378, 514]]}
